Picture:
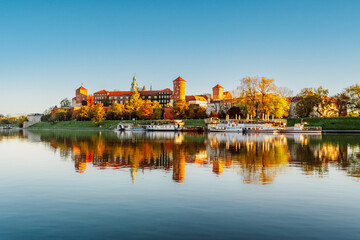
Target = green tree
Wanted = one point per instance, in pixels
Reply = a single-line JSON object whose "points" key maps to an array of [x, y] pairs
{"points": [[310, 99], [60, 115], [65, 103]]}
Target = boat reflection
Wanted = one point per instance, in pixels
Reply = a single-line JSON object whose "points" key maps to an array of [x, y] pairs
{"points": [[257, 158]]}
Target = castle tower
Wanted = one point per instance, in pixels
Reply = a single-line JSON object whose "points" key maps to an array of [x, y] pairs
{"points": [[134, 84], [218, 92], [179, 89], [80, 95]]}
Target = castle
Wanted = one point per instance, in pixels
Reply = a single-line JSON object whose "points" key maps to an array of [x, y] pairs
{"points": [[164, 96]]}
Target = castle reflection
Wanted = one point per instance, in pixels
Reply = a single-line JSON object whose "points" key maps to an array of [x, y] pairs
{"points": [[257, 158]]}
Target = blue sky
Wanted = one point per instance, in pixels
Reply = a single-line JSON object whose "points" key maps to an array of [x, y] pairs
{"points": [[48, 48]]}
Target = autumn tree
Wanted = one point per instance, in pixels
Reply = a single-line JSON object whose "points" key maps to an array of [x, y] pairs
{"points": [[97, 113], [353, 92], [90, 100], [116, 112], [249, 93], [180, 109], [261, 96], [342, 101], [278, 106], [83, 114], [266, 88]]}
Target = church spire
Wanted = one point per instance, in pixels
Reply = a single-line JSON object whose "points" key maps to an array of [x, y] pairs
{"points": [[134, 84]]}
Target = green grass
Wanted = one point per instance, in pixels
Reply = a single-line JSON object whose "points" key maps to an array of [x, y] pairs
{"points": [[85, 125], [330, 123], [107, 124]]}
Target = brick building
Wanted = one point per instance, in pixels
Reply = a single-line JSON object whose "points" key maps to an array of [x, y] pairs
{"points": [[80, 97]]}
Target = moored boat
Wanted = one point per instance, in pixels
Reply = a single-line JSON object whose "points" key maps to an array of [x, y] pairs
{"points": [[243, 127], [230, 126], [176, 125], [129, 127]]}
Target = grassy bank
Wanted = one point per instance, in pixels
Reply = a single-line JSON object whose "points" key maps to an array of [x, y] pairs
{"points": [[107, 124], [334, 123], [84, 125]]}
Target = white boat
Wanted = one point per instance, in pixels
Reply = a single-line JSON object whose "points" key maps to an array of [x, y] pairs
{"points": [[247, 127], [176, 125], [129, 127], [225, 127], [260, 128]]}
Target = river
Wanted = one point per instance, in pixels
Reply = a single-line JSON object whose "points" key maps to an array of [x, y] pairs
{"points": [[101, 185]]}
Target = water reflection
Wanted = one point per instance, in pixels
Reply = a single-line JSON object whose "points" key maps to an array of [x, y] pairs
{"points": [[257, 158]]}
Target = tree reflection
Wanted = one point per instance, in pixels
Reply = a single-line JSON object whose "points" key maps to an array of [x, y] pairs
{"points": [[257, 158]]}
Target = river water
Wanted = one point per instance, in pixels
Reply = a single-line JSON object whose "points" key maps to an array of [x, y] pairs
{"points": [[104, 185]]}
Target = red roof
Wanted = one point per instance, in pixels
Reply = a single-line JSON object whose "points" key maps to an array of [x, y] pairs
{"points": [[120, 93], [82, 88], [166, 90], [195, 98], [102, 91], [217, 86], [179, 79]]}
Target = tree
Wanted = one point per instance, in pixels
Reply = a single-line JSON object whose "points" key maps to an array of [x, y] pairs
{"points": [[83, 114], [278, 106], [145, 109], [353, 92], [90, 100], [180, 109], [266, 88], [20, 120], [342, 102], [47, 115], [60, 115], [312, 99], [234, 112], [5, 121], [116, 112], [97, 113], [249, 93], [65, 103]]}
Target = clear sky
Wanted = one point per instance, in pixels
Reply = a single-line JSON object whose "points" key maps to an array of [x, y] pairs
{"points": [[49, 48]]}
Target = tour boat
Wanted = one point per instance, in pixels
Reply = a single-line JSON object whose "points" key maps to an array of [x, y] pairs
{"points": [[230, 126], [129, 127], [176, 125], [243, 127], [260, 127]]}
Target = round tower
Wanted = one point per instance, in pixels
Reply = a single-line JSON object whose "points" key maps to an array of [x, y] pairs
{"points": [[179, 89]]}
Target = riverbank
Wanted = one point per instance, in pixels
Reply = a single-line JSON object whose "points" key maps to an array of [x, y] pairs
{"points": [[343, 123], [107, 124], [330, 123]]}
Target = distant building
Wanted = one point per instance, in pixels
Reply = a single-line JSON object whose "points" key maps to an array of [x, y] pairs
{"points": [[32, 119], [179, 89], [80, 97], [197, 100], [218, 92], [134, 85], [161, 96]]}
